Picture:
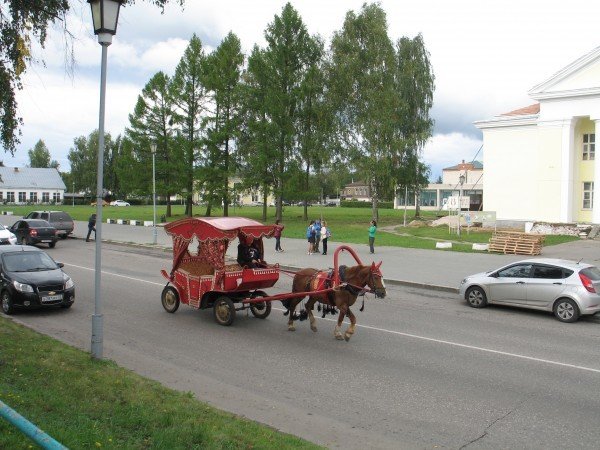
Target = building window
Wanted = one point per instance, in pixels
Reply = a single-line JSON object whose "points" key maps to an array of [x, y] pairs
{"points": [[56, 197], [22, 197], [1, 196], [10, 197], [33, 197], [589, 147], [428, 198], [45, 197], [588, 194]]}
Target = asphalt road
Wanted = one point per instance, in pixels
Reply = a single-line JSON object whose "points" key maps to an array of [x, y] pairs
{"points": [[422, 371]]}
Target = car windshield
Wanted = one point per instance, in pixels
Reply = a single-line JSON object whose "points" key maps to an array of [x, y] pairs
{"points": [[28, 262], [592, 273], [2, 227]]}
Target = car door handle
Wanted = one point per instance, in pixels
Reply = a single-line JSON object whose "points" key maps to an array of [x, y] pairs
{"points": [[520, 282], [557, 283]]}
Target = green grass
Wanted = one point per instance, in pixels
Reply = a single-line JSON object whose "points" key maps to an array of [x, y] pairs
{"points": [[88, 404], [348, 225]]}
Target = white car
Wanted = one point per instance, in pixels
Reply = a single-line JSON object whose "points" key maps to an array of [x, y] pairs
{"points": [[119, 203], [6, 236]]}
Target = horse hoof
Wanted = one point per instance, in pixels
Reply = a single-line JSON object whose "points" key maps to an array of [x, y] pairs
{"points": [[339, 337], [347, 337], [292, 328], [314, 329]]}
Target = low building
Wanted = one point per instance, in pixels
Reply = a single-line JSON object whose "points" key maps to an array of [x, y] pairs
{"points": [[435, 195], [358, 190], [28, 185]]}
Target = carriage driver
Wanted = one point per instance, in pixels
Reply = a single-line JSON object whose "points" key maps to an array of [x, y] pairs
{"points": [[248, 255]]}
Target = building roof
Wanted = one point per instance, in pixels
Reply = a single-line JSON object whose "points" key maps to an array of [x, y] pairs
{"points": [[356, 183], [30, 178], [474, 165], [527, 110]]}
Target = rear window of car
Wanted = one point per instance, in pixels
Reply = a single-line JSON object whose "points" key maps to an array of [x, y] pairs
{"points": [[551, 272], [593, 273], [60, 217]]}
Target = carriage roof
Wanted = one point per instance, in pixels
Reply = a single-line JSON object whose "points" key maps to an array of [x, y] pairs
{"points": [[217, 228]]}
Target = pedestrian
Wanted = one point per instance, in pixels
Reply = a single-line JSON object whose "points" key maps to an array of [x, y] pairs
{"points": [[325, 233], [317, 227], [310, 236], [372, 231], [277, 235], [91, 227]]}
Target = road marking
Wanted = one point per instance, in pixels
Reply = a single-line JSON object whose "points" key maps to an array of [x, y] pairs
{"points": [[116, 275], [470, 347], [400, 333]]}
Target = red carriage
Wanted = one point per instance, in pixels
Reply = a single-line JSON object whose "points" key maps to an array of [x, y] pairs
{"points": [[201, 278]]}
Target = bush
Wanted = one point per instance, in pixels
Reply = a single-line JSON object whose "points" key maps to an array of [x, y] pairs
{"points": [[357, 204]]}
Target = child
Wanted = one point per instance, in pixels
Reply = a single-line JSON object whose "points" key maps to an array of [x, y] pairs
{"points": [[325, 233], [277, 235]]}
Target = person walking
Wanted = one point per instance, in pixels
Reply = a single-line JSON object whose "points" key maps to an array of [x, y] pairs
{"points": [[310, 236], [277, 235], [325, 233], [91, 227], [372, 231], [317, 227]]}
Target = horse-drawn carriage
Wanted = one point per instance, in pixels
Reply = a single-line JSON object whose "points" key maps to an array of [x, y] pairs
{"points": [[202, 278]]}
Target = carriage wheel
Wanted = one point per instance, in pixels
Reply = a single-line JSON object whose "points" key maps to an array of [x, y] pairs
{"points": [[170, 299], [224, 310], [260, 310]]}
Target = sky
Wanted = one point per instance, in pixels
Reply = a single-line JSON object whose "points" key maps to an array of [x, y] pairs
{"points": [[485, 54]]}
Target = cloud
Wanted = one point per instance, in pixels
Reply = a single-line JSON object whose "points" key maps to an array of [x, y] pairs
{"points": [[446, 150]]}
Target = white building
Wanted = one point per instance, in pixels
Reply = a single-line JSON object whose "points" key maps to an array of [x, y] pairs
{"points": [[541, 160], [433, 197], [31, 185]]}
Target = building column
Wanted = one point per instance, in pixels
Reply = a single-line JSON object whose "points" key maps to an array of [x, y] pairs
{"points": [[567, 170], [596, 210]]}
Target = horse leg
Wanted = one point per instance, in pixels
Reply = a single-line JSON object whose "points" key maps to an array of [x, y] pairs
{"points": [[351, 327], [337, 332], [309, 308], [292, 311]]}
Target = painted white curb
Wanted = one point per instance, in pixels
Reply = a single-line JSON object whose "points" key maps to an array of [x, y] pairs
{"points": [[443, 245], [481, 247]]}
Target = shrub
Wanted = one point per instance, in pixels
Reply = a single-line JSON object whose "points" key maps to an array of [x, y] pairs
{"points": [[357, 204]]}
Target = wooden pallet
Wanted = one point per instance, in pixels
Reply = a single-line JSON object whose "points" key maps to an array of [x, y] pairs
{"points": [[516, 243]]}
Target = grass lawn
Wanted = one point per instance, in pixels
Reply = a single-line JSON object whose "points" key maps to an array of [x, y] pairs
{"points": [[88, 404], [346, 224]]}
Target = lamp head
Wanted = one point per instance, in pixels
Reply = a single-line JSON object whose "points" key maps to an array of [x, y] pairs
{"points": [[105, 17]]}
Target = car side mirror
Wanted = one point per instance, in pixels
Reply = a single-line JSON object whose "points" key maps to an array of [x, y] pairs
{"points": [[60, 265]]}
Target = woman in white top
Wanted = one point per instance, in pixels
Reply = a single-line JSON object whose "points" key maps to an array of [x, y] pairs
{"points": [[324, 236]]}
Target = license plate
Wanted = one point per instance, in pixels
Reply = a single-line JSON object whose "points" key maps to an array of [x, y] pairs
{"points": [[51, 298], [46, 240]]}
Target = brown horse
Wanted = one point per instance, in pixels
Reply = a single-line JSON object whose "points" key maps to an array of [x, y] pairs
{"points": [[353, 281]]}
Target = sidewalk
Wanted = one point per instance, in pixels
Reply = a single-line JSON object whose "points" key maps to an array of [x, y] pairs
{"points": [[433, 269]]}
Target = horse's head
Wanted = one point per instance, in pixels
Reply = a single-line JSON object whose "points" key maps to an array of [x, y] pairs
{"points": [[375, 281]]}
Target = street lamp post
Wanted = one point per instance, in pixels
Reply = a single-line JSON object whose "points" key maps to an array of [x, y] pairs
{"points": [[73, 194], [461, 180], [105, 16], [153, 150]]}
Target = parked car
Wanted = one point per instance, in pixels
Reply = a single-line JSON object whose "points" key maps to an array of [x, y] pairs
{"points": [[567, 288], [60, 220], [32, 279], [255, 204], [6, 236], [34, 231], [119, 203]]}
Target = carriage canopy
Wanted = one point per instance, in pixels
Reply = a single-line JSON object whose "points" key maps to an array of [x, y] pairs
{"points": [[213, 235]]}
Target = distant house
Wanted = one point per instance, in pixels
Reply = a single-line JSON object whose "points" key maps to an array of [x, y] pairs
{"points": [[358, 190], [22, 185], [434, 196]]}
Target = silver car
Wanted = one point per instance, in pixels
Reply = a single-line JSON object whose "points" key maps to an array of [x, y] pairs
{"points": [[567, 288]]}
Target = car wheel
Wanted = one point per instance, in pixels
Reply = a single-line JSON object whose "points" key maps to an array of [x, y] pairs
{"points": [[63, 236], [66, 306], [52, 244], [476, 297], [224, 310], [566, 310], [170, 299], [7, 303]]}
